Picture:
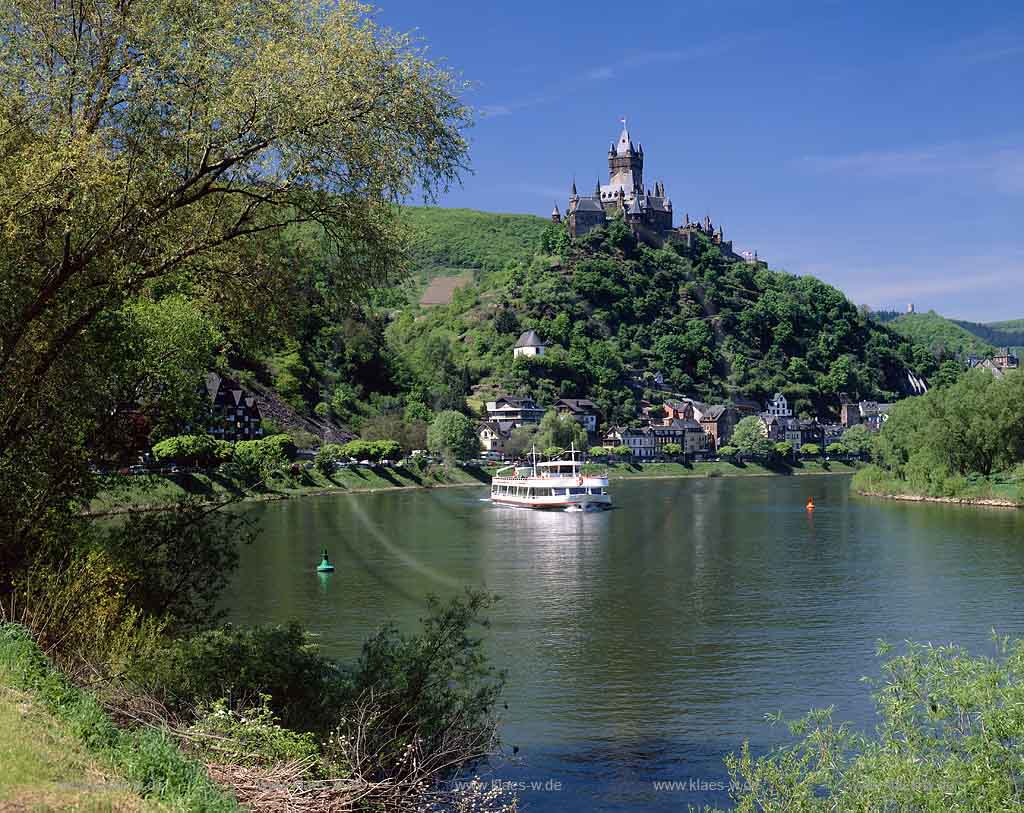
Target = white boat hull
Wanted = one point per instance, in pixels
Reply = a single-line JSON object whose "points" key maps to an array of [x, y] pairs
{"points": [[553, 494]]}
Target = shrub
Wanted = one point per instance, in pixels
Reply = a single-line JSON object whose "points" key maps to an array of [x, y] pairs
{"points": [[949, 739], [810, 450], [327, 456], [187, 450], [599, 452], [672, 449], [256, 460], [728, 452], [252, 737], [836, 450], [783, 449], [622, 451], [432, 688], [239, 665]]}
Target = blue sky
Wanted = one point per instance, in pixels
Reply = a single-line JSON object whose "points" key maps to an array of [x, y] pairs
{"points": [[878, 146]]}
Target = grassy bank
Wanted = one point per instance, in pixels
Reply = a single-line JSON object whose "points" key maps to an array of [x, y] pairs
{"points": [[617, 471], [999, 489], [151, 491], [60, 750]]}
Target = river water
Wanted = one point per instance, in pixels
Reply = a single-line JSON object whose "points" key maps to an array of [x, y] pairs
{"points": [[645, 643]]}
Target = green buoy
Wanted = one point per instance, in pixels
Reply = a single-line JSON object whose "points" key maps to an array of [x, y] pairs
{"points": [[325, 565]]}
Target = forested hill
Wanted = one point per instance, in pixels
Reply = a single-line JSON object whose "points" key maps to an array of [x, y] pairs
{"points": [[615, 310], [940, 335], [1000, 334]]}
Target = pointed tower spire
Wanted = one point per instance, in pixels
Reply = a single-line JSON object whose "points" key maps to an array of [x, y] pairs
{"points": [[573, 187], [556, 216]]}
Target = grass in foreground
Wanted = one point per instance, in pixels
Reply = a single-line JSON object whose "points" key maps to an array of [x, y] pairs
{"points": [[43, 767], [84, 749]]}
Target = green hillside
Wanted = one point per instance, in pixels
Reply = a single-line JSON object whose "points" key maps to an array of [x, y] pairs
{"points": [[617, 311], [446, 241], [940, 335], [999, 334]]}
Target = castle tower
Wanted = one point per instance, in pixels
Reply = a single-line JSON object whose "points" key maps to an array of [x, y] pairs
{"points": [[626, 163], [556, 216]]}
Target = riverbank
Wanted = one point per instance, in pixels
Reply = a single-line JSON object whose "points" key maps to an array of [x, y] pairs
{"points": [[995, 491], [150, 492], [624, 471], [61, 751]]}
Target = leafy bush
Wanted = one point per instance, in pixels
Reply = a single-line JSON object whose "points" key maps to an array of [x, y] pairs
{"points": [[256, 460], [729, 452], [672, 449], [250, 737], [810, 450], [948, 739], [187, 450], [836, 450], [783, 449], [327, 456], [306, 690], [432, 688], [599, 452], [622, 451]]}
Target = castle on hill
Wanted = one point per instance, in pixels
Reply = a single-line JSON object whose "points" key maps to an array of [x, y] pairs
{"points": [[648, 213]]}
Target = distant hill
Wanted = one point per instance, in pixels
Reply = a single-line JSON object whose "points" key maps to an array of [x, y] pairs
{"points": [[939, 334], [1000, 334], [447, 241]]}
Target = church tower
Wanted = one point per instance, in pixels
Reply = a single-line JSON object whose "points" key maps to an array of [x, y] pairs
{"points": [[626, 164]]}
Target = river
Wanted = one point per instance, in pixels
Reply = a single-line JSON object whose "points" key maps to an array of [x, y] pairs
{"points": [[645, 643]]}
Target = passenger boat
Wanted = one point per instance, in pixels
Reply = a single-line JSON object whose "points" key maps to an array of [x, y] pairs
{"points": [[558, 484]]}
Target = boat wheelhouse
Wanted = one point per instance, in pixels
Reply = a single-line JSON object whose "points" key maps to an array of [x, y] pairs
{"points": [[558, 484]]}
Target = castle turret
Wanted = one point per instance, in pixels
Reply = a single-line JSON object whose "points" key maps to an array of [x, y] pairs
{"points": [[556, 216], [626, 164]]}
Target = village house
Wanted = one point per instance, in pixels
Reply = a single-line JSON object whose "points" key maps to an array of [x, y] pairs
{"points": [[832, 433], [683, 409], [746, 406], [998, 364], [583, 410], [779, 407], [688, 433], [873, 414], [234, 414], [642, 442], [514, 411], [529, 344], [719, 422], [493, 435], [800, 432]]}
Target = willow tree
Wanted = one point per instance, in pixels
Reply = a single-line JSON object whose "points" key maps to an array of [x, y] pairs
{"points": [[164, 145]]}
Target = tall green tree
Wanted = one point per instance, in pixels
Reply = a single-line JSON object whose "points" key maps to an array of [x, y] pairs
{"points": [[560, 431], [750, 437], [155, 147], [453, 435]]}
